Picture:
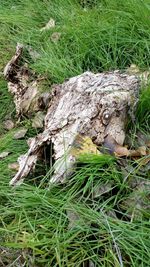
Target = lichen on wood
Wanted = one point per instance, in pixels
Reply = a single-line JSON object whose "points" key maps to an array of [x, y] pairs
{"points": [[89, 105]]}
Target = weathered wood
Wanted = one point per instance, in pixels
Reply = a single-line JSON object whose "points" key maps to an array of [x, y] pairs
{"points": [[93, 105], [24, 84]]}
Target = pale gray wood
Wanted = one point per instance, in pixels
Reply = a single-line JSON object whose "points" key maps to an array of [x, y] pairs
{"points": [[94, 105]]}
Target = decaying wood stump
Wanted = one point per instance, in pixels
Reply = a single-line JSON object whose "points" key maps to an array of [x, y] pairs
{"points": [[88, 105], [25, 85]]}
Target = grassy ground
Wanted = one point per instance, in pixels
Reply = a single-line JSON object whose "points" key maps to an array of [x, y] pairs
{"points": [[110, 231]]}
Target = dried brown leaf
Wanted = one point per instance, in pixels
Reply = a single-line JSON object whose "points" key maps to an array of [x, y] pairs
{"points": [[38, 121], [144, 161], [102, 189], [14, 166], [133, 69], [50, 24], [20, 133], [121, 151], [55, 37], [137, 202], [114, 148], [148, 143], [141, 151], [73, 218], [8, 125], [4, 154]]}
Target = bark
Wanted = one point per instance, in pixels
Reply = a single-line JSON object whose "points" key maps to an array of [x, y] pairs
{"points": [[88, 105], [24, 84]]}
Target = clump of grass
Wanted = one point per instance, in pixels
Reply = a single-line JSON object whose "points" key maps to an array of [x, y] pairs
{"points": [[109, 36], [6, 104], [143, 112], [34, 219]]}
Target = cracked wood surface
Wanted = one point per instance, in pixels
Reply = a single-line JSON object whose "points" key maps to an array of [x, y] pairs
{"points": [[24, 84], [93, 105]]}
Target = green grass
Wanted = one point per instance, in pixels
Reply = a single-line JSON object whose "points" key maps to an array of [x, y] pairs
{"points": [[111, 35], [143, 113], [34, 218], [6, 104]]}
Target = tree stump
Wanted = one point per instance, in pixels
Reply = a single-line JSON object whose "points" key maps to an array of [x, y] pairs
{"points": [[86, 106]]}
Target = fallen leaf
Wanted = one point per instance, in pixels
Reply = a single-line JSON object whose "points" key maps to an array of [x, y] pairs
{"points": [[147, 143], [112, 214], [29, 100], [112, 147], [8, 125], [133, 69], [83, 145], [121, 151], [20, 133], [91, 263], [143, 139], [102, 189], [145, 76], [144, 161], [55, 37], [14, 166], [4, 154], [141, 151], [46, 96], [33, 54], [38, 120], [137, 204], [50, 24], [73, 218]]}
